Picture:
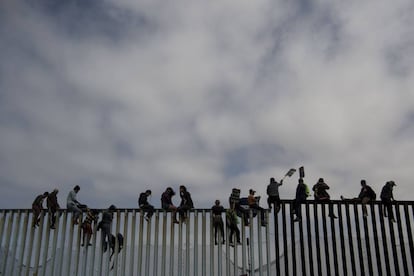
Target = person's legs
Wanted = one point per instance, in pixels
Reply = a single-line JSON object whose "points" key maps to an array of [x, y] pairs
{"points": [[221, 227], [364, 202]]}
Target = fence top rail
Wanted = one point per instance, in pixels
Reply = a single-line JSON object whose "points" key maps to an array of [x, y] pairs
{"points": [[282, 201]]}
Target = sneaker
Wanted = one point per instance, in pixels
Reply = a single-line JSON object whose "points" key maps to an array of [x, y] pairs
{"points": [[146, 218], [333, 216], [393, 220], [239, 243], [296, 219], [176, 221], [231, 244]]}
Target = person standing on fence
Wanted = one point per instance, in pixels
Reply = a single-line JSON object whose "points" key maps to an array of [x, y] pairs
{"points": [[167, 205], [366, 195], [218, 223], [53, 207], [144, 204], [386, 198], [321, 195], [72, 204], [273, 194], [37, 207], [231, 222], [186, 203], [301, 195]]}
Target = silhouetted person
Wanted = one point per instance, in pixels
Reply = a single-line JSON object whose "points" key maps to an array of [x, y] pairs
{"points": [[37, 207], [166, 203], [231, 222], [386, 198], [252, 201], [366, 195], [186, 203], [321, 195], [273, 194], [105, 226], [90, 219], [301, 195], [72, 204], [53, 207], [218, 223], [144, 204]]}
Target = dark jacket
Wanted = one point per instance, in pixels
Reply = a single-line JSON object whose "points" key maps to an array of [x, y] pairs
{"points": [[367, 191], [320, 191], [301, 192], [186, 200], [143, 199], [386, 192], [52, 202]]}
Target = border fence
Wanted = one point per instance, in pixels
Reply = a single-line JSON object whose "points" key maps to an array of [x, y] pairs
{"points": [[350, 244]]}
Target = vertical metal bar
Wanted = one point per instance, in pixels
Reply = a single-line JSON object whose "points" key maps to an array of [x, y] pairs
{"points": [[251, 244], [85, 250], [293, 242], [140, 242], [394, 248], [108, 253], [132, 249], [55, 242], [195, 242], [156, 242], [126, 238], [93, 249], [7, 242], [203, 243], [317, 239], [325, 240], [29, 253], [359, 241], [78, 242], [309, 234], [46, 248], [23, 242], [164, 243], [259, 241], [14, 245], [117, 245], [180, 248], [39, 244], [285, 245], [211, 246], [172, 245], [187, 246], [62, 243], [342, 239], [350, 238], [384, 243], [70, 246], [302, 245], [376, 244], [401, 237], [410, 234], [243, 237], [333, 233], [368, 245], [276, 229], [268, 247]]}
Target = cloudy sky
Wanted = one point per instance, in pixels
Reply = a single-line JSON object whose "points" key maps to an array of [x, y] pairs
{"points": [[120, 96]]}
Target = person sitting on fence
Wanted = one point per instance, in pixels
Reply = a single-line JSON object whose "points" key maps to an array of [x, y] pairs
{"points": [[37, 207], [252, 201], [144, 204], [90, 219], [231, 222], [366, 195], [218, 223], [301, 195], [235, 200], [386, 198], [166, 203], [273, 194], [53, 207], [186, 203], [73, 205], [321, 195]]}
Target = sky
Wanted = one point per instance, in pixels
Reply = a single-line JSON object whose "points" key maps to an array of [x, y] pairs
{"points": [[121, 96]]}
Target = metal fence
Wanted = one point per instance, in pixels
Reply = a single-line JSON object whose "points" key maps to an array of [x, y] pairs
{"points": [[317, 245]]}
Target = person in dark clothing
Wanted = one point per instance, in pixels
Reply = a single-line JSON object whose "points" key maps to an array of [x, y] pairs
{"points": [[366, 195], [37, 207], [186, 203], [321, 195], [218, 223], [231, 222], [387, 198], [273, 194], [90, 219], [144, 204], [105, 226], [166, 203], [301, 195], [53, 207], [252, 201]]}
